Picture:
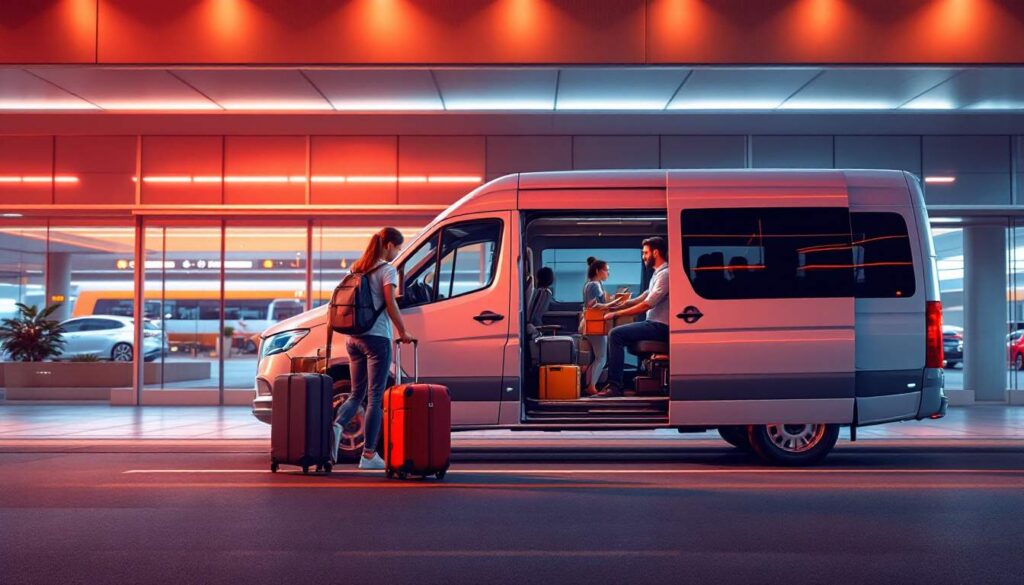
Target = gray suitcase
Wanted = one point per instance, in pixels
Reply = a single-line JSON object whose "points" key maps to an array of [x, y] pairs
{"points": [[556, 350], [302, 421]]}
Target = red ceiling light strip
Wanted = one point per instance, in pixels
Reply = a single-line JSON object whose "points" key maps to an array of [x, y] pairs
{"points": [[37, 179], [284, 179]]}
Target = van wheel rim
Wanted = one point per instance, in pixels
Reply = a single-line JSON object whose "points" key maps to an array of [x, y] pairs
{"points": [[795, 438], [352, 434], [122, 353]]}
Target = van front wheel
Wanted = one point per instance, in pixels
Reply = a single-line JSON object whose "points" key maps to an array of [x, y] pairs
{"points": [[793, 444]]}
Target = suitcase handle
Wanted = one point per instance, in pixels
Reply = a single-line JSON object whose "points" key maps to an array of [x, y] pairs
{"points": [[415, 361]]}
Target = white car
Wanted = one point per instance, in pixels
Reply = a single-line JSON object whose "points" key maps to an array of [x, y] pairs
{"points": [[110, 338]]}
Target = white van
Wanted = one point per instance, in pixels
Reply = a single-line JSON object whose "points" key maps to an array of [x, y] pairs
{"points": [[802, 301]]}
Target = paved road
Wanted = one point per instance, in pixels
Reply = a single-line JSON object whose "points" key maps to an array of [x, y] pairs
{"points": [[188, 512]]}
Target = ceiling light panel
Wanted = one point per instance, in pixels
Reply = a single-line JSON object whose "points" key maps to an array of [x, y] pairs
{"points": [[256, 89], [497, 89], [377, 89], [866, 88], [128, 89], [740, 89], [998, 88], [617, 88], [20, 90]]}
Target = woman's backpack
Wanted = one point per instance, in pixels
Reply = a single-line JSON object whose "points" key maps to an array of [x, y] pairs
{"points": [[351, 311]]}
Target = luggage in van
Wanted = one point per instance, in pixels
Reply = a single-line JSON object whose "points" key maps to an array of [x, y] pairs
{"points": [[560, 382], [301, 423], [556, 350], [417, 425], [594, 322]]}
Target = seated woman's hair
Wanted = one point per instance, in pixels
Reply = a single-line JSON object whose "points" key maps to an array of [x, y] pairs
{"points": [[594, 266], [545, 277]]}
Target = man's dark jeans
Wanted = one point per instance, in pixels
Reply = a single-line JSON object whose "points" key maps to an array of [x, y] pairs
{"points": [[624, 335]]}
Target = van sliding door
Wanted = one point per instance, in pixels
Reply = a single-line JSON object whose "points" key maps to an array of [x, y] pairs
{"points": [[762, 300]]}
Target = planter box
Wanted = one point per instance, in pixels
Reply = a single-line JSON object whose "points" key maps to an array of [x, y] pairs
{"points": [[89, 380]]}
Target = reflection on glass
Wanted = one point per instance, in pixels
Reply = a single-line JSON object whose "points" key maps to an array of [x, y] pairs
{"points": [[182, 297], [335, 248], [264, 283], [949, 249]]}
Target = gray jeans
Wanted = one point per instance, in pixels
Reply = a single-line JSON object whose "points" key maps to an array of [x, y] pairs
{"points": [[599, 345], [369, 359]]}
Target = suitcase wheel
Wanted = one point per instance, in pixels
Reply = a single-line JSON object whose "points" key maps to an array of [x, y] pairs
{"points": [[389, 474], [328, 467], [273, 467], [319, 468], [441, 474], [305, 469]]}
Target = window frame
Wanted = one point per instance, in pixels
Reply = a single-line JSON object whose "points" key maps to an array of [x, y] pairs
{"points": [[438, 238]]}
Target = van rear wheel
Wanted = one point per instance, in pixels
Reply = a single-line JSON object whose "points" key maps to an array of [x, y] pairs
{"points": [[736, 436], [793, 444]]}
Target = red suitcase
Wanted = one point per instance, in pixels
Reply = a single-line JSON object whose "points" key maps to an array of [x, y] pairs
{"points": [[417, 425], [301, 421]]}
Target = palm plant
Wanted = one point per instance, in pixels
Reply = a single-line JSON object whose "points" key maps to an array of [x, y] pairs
{"points": [[32, 336]]}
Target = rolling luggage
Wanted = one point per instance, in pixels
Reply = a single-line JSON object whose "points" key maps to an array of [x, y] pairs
{"points": [[559, 382], [417, 425], [301, 423], [556, 350]]}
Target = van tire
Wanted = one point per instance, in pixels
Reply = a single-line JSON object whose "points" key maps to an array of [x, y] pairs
{"points": [[350, 450], [737, 436], [793, 444]]}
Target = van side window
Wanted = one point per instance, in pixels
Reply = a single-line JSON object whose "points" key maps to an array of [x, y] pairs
{"points": [[881, 254], [467, 263], [469, 258], [766, 253]]}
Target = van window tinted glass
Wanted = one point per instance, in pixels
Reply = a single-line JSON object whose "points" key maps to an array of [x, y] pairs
{"points": [[881, 255], [793, 252], [625, 268]]}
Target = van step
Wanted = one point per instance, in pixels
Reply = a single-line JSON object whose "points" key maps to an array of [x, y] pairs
{"points": [[597, 420]]}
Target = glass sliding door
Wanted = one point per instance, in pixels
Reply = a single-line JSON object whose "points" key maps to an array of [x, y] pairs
{"points": [[265, 282], [183, 290]]}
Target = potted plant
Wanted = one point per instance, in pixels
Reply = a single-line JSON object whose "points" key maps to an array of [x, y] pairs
{"points": [[32, 336]]}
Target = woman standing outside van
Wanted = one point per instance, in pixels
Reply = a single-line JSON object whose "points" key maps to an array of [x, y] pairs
{"points": [[369, 354], [595, 297]]}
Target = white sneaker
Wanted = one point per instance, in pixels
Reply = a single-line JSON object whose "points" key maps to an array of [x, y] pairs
{"points": [[374, 462]]}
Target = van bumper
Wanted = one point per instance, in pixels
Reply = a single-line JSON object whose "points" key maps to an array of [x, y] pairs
{"points": [[933, 402]]}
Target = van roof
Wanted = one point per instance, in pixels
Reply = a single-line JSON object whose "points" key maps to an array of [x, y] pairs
{"points": [[500, 194]]}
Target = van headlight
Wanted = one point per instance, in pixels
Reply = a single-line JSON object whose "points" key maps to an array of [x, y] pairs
{"points": [[281, 342]]}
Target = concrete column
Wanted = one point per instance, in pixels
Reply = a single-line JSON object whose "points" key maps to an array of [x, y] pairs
{"points": [[985, 361], [58, 283]]}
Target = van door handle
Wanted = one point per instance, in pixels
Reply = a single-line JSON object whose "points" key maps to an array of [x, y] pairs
{"points": [[690, 315], [488, 317]]}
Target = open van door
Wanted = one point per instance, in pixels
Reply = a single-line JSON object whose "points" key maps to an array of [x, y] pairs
{"points": [[762, 299]]}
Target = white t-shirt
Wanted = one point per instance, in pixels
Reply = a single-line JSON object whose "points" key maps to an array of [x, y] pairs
{"points": [[379, 278]]}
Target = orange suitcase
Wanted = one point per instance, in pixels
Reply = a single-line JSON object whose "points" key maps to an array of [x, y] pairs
{"points": [[559, 382]]}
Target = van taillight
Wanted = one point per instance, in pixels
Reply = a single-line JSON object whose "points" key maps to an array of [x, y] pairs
{"points": [[933, 334]]}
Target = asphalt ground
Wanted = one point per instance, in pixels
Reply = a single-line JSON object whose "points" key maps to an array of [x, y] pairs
{"points": [[580, 511]]}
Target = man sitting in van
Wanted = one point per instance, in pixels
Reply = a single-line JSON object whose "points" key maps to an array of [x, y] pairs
{"points": [[654, 301]]}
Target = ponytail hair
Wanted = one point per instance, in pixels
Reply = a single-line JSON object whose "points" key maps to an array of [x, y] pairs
{"points": [[375, 249], [594, 266]]}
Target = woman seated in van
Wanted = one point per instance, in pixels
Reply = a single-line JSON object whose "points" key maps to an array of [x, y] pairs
{"points": [[595, 297]]}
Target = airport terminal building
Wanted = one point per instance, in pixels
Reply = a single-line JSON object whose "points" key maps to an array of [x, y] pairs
{"points": [[216, 167]]}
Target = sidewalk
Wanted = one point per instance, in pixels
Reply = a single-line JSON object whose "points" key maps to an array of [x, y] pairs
{"points": [[233, 423]]}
